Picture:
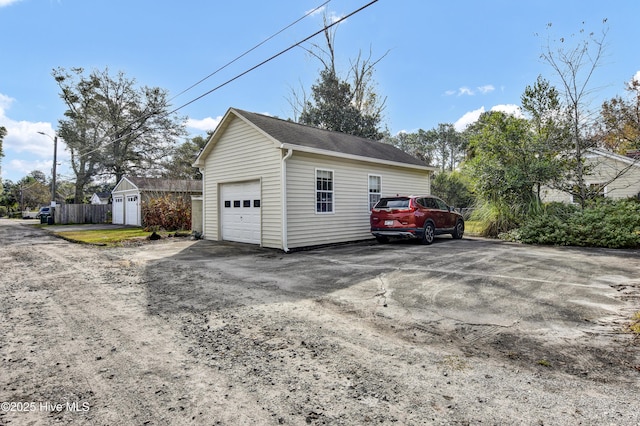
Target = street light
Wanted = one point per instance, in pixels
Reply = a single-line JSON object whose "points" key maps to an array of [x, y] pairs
{"points": [[55, 159]]}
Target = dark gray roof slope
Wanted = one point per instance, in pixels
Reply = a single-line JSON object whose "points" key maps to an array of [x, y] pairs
{"points": [[166, 185], [288, 132]]}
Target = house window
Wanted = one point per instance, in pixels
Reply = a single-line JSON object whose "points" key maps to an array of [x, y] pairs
{"points": [[324, 191], [375, 188], [593, 191]]}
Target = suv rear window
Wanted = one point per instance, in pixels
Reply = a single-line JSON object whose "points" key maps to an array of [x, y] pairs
{"points": [[393, 203]]}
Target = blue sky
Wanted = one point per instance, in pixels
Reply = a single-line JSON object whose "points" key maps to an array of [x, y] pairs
{"points": [[446, 61]]}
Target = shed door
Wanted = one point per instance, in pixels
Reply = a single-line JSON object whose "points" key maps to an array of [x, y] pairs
{"points": [[117, 210], [240, 212], [131, 210]]}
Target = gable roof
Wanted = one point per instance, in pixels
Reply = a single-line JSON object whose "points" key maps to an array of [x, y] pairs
{"points": [[163, 185], [288, 134], [102, 195], [631, 161]]}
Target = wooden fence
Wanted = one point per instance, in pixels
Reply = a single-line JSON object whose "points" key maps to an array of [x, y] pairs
{"points": [[82, 213]]}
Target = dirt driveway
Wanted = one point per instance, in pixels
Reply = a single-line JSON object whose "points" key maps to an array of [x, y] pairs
{"points": [[183, 332]]}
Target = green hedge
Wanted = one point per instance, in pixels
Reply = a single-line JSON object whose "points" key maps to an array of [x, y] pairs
{"points": [[605, 223]]}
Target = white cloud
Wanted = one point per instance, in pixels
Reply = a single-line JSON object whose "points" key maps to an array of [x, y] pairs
{"points": [[313, 12], [466, 91], [25, 150], [205, 124], [636, 77], [487, 88], [24, 167], [472, 116], [468, 118], [509, 109], [4, 3]]}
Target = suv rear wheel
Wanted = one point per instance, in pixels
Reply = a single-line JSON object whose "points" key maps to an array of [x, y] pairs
{"points": [[429, 233]]}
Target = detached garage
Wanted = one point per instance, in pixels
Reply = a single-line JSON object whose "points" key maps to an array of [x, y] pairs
{"points": [[283, 185], [131, 192]]}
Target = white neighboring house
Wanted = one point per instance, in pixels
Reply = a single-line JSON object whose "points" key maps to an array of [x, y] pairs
{"points": [[616, 175], [283, 185], [131, 191], [100, 198]]}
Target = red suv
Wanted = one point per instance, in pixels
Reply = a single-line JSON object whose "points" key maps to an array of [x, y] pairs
{"points": [[421, 217]]}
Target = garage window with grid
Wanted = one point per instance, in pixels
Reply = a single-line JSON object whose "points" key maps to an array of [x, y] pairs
{"points": [[375, 188], [324, 191]]}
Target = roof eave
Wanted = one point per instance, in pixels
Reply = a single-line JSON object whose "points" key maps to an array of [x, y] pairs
{"points": [[327, 152]]}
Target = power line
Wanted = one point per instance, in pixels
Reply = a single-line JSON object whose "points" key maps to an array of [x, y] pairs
{"points": [[238, 75], [274, 56], [311, 12]]}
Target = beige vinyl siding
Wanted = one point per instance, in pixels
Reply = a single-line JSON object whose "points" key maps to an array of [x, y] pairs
{"points": [[243, 154], [605, 169], [602, 170], [124, 185], [350, 218]]}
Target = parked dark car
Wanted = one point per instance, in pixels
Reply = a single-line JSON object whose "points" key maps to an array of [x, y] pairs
{"points": [[44, 211], [418, 217]]}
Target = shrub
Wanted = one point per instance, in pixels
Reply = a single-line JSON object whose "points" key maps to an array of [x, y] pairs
{"points": [[603, 223], [493, 220], [168, 213]]}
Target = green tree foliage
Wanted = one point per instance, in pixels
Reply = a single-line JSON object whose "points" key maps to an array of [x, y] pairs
{"points": [[114, 127], [620, 120], [83, 129], [441, 146], [453, 188], [333, 108], [179, 164], [550, 141], [447, 144], [415, 144], [32, 191], [9, 196], [504, 164], [348, 105], [3, 133]]}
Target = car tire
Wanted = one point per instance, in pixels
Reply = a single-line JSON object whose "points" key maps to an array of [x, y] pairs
{"points": [[458, 231], [382, 240], [429, 234]]}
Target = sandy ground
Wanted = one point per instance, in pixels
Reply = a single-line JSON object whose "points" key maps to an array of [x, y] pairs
{"points": [[183, 332]]}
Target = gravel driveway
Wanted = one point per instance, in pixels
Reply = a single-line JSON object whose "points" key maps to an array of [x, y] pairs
{"points": [[466, 331]]}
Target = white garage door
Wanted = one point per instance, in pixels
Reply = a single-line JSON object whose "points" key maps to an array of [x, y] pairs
{"points": [[240, 212], [117, 210], [132, 209]]}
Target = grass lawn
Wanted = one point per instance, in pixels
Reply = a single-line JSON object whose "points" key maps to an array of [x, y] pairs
{"points": [[473, 227], [106, 237]]}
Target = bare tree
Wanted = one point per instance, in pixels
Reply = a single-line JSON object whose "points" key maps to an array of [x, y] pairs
{"points": [[574, 66], [350, 105]]}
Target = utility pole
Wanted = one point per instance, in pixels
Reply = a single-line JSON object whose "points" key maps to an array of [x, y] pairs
{"points": [[55, 160], [53, 170]]}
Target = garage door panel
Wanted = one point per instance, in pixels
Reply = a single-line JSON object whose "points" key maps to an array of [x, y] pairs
{"points": [[117, 210], [240, 212], [132, 210]]}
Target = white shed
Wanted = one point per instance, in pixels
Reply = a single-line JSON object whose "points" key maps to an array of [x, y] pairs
{"points": [[131, 191], [284, 185]]}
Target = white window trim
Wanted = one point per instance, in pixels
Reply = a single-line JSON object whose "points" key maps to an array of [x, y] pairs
{"points": [[333, 191], [369, 193]]}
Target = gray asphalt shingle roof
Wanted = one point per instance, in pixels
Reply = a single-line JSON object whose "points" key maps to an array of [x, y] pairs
{"points": [[166, 185], [290, 133]]}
